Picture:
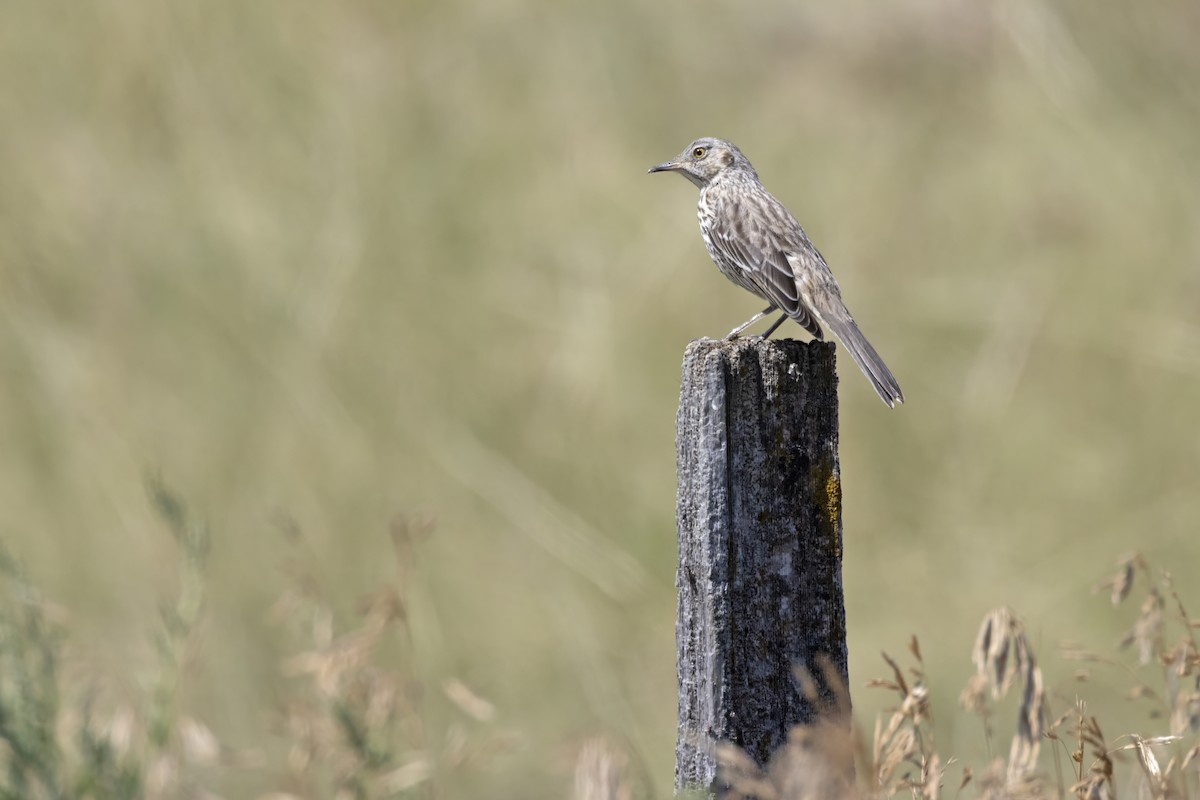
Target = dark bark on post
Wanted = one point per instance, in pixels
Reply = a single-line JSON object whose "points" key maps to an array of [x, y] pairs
{"points": [[760, 545]]}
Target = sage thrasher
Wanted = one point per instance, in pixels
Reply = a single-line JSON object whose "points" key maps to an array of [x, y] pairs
{"points": [[760, 246]]}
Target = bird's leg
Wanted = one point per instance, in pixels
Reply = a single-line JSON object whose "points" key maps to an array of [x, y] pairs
{"points": [[733, 334], [774, 325]]}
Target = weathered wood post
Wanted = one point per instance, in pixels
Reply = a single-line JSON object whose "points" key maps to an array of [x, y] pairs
{"points": [[760, 545]]}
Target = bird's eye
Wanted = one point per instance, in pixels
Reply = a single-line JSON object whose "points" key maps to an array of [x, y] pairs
{"points": [[699, 152]]}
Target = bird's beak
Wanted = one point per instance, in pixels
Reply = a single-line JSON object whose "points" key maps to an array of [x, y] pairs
{"points": [[666, 166]]}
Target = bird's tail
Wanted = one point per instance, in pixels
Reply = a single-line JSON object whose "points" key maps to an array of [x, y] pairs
{"points": [[844, 327]]}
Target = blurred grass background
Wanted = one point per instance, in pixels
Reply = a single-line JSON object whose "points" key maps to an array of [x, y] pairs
{"points": [[332, 263]]}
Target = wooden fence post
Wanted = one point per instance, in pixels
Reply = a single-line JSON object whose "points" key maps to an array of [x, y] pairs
{"points": [[760, 545]]}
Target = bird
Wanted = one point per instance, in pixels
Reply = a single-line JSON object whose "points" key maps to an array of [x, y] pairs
{"points": [[758, 244]]}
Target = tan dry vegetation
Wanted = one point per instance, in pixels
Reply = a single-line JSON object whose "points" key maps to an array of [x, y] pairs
{"points": [[833, 758], [335, 262]]}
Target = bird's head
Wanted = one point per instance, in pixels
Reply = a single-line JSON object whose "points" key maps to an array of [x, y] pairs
{"points": [[704, 160]]}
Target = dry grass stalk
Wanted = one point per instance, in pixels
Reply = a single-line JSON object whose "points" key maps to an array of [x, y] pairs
{"points": [[1002, 655], [1146, 632], [1158, 779], [743, 777], [602, 771], [903, 755], [362, 731], [1026, 743], [816, 762], [1001, 650], [1162, 612], [1119, 583], [1098, 782]]}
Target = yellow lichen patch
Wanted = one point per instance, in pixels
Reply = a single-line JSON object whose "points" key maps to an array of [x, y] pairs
{"points": [[828, 486], [833, 500]]}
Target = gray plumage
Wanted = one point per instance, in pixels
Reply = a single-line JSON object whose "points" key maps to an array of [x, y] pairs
{"points": [[760, 246]]}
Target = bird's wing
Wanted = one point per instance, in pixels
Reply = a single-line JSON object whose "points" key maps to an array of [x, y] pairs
{"points": [[747, 241], [819, 292]]}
